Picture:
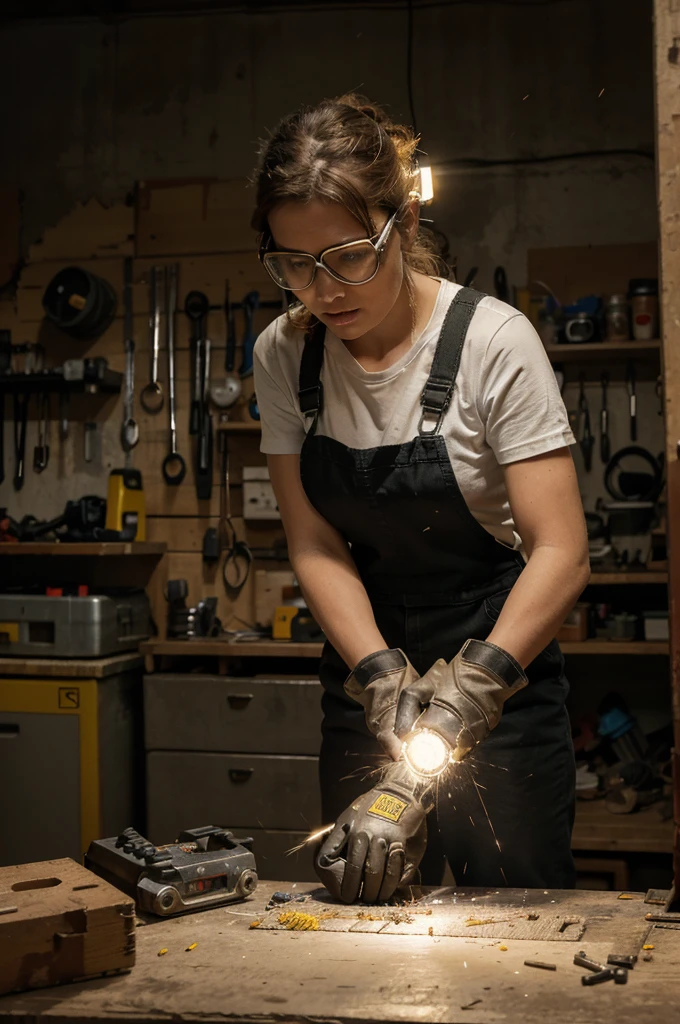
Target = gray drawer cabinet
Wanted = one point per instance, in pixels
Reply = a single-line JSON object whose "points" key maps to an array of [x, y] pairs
{"points": [[219, 713], [236, 752]]}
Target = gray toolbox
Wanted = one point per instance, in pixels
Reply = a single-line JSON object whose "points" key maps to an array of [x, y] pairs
{"points": [[93, 626], [239, 752]]}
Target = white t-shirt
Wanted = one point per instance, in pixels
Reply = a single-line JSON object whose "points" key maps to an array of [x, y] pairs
{"points": [[506, 404]]}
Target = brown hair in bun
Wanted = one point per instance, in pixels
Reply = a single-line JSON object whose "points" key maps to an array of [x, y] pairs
{"points": [[343, 151]]}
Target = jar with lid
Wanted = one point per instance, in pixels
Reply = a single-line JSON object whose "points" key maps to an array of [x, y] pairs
{"points": [[617, 318], [643, 293]]}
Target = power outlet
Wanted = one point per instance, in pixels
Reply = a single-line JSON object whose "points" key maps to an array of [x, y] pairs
{"points": [[259, 501]]}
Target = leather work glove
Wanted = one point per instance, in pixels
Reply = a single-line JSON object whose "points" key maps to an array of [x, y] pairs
{"points": [[464, 698], [376, 683], [379, 841]]}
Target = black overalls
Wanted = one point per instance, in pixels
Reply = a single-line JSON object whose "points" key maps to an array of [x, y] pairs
{"points": [[435, 577]]}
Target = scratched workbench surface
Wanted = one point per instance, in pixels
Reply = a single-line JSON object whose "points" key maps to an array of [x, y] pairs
{"points": [[438, 960]]}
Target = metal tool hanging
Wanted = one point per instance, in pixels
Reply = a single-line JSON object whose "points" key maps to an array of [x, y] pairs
{"points": [[586, 439], [41, 451], [605, 440], [174, 467], [226, 394], [250, 304], [196, 307], [20, 416], [238, 557], [152, 393], [632, 400], [129, 431]]}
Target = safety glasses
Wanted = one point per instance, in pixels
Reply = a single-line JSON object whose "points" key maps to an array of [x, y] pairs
{"points": [[352, 263]]}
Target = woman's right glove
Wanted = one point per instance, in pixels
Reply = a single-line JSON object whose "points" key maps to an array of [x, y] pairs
{"points": [[463, 699], [376, 683], [379, 841]]}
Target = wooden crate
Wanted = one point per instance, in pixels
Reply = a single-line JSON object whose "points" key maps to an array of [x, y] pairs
{"points": [[59, 922]]}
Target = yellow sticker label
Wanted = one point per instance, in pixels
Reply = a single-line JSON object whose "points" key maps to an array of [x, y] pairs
{"points": [[9, 632], [388, 807]]}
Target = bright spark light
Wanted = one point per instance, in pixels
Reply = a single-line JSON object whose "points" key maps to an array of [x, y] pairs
{"points": [[311, 839], [426, 753]]}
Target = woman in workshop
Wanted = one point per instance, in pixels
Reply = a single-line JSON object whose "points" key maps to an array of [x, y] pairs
{"points": [[418, 447]]}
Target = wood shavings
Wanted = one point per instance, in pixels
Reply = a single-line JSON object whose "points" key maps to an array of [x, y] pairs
{"points": [[503, 949], [471, 921], [625, 896], [430, 931], [648, 945], [192, 946], [255, 924], [470, 1006], [162, 952], [295, 921]]}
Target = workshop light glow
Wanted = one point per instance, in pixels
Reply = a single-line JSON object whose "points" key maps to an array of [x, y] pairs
{"points": [[426, 183], [426, 753]]}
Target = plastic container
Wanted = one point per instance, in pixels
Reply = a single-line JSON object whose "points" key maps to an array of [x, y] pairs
{"points": [[643, 293], [618, 318]]}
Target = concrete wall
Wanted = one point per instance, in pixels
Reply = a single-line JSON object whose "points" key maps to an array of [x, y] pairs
{"points": [[91, 107]]}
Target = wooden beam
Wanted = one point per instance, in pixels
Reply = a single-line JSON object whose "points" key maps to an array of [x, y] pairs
{"points": [[667, 96]]}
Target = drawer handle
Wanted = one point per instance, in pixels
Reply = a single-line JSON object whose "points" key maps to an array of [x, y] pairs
{"points": [[239, 701], [240, 775], [9, 729]]}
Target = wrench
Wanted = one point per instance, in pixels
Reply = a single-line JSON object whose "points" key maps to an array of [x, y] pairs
{"points": [[605, 444], [196, 307], [20, 414], [174, 467], [129, 432], [632, 404], [41, 452], [152, 393], [250, 304]]}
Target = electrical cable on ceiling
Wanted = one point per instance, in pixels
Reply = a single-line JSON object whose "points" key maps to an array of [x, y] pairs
{"points": [[120, 11], [472, 163]]}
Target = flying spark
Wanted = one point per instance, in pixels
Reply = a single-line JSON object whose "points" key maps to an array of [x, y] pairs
{"points": [[310, 839]]}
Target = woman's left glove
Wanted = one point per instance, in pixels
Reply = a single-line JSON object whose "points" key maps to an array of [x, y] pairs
{"points": [[379, 841], [376, 683], [464, 698]]}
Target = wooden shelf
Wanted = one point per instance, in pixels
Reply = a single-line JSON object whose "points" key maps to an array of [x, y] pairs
{"points": [[598, 578], [643, 831], [93, 549], [604, 350], [615, 647], [230, 649], [236, 427]]}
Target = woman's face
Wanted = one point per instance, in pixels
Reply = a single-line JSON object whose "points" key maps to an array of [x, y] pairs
{"points": [[350, 311]]}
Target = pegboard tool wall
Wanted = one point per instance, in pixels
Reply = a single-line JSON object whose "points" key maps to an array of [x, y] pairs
{"points": [[99, 240]]}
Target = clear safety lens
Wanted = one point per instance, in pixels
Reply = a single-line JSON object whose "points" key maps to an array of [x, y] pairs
{"points": [[354, 263], [290, 270]]}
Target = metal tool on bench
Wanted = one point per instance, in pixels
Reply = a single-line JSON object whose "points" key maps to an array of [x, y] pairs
{"points": [[196, 307], [207, 867], [632, 400], [152, 393], [225, 395], [186, 623], [129, 432], [41, 451], [605, 440], [174, 467]]}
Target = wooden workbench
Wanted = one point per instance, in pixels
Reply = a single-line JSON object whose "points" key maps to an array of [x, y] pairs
{"points": [[240, 974]]}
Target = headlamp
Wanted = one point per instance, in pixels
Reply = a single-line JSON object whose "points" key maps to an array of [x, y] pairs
{"points": [[426, 753]]}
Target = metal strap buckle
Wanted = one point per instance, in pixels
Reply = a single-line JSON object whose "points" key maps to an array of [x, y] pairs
{"points": [[310, 399]]}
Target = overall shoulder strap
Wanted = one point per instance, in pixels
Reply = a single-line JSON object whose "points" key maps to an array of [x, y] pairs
{"points": [[446, 362], [310, 388]]}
